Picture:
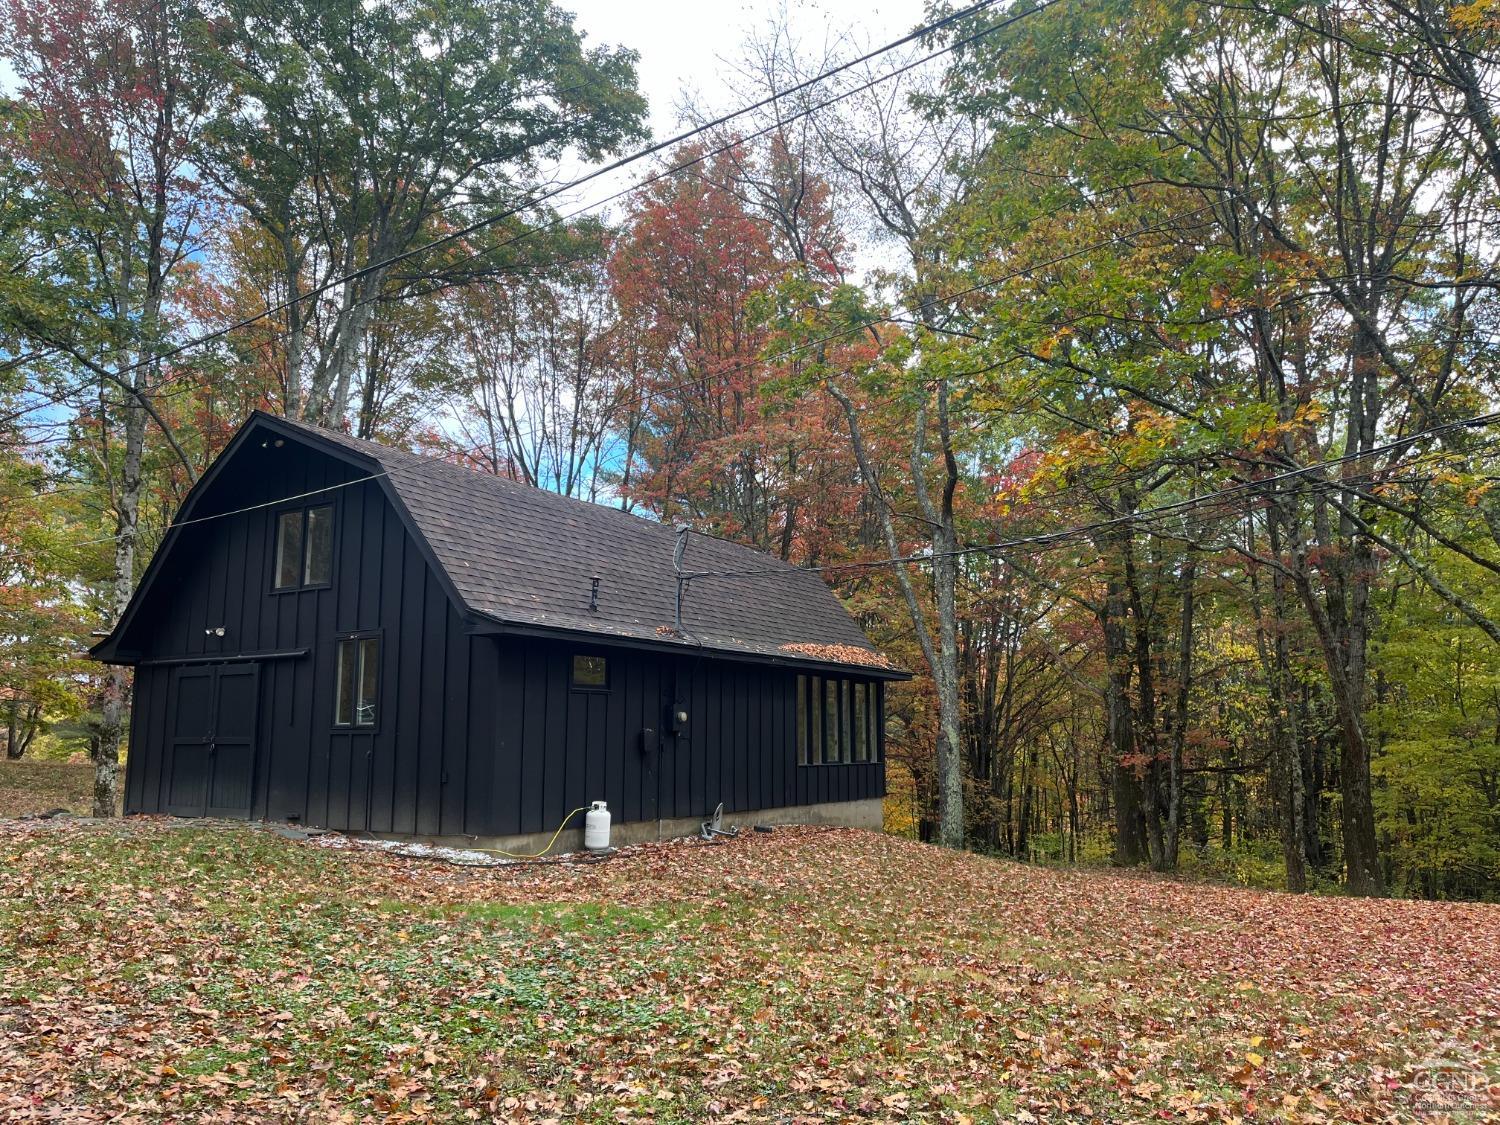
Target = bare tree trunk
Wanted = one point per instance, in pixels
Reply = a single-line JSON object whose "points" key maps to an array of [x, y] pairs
{"points": [[1180, 714], [1345, 678], [941, 657], [346, 357], [1146, 726], [13, 747], [116, 704], [296, 323], [1286, 757], [945, 583], [33, 727], [1130, 820], [950, 754]]}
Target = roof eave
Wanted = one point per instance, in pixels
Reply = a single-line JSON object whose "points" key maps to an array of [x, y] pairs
{"points": [[488, 624]]}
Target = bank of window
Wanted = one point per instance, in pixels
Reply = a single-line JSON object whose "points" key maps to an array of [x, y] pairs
{"points": [[590, 673], [836, 721], [304, 547], [356, 681]]}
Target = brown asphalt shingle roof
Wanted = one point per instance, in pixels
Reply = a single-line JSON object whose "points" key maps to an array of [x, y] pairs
{"points": [[523, 556]]}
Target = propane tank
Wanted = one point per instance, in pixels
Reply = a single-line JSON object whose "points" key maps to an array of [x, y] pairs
{"points": [[596, 827]]}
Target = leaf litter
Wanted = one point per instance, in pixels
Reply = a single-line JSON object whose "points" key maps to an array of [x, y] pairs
{"points": [[153, 973]]}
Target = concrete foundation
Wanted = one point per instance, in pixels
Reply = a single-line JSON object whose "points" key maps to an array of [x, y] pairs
{"points": [[844, 814]]}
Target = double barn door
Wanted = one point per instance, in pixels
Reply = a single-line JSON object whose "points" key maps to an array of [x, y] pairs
{"points": [[212, 745]]}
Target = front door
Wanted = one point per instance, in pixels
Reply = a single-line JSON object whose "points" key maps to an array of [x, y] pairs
{"points": [[212, 752]]}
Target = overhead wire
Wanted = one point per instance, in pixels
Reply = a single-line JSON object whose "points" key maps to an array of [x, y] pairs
{"points": [[677, 140], [1142, 515], [1041, 539], [682, 138]]}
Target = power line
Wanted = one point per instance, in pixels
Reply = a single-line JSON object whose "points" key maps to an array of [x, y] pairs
{"points": [[241, 511], [274, 503], [1049, 538], [1042, 539], [488, 221]]}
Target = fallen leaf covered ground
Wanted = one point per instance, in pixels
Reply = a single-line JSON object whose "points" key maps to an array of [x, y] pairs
{"points": [[28, 787], [150, 971]]}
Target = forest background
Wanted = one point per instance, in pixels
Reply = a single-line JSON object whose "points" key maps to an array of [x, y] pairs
{"points": [[1160, 443]]}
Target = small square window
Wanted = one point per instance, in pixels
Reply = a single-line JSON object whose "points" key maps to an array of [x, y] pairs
{"points": [[590, 672]]}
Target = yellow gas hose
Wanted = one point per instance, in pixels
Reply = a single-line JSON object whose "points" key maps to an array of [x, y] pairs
{"points": [[548, 848]]}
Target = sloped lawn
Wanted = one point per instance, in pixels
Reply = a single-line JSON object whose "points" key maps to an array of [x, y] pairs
{"points": [[29, 786], [155, 972]]}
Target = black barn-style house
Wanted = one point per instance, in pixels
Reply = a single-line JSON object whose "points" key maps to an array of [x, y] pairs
{"points": [[343, 635]]}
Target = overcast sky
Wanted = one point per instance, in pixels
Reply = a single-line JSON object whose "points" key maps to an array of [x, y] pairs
{"points": [[691, 47], [681, 42], [684, 43]]}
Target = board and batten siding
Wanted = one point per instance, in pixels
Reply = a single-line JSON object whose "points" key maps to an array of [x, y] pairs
{"points": [[389, 778], [476, 733], [559, 747]]}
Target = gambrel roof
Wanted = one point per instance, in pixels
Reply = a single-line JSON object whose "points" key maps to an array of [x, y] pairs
{"points": [[521, 559]]}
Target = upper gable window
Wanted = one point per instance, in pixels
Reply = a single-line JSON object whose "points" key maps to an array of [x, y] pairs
{"points": [[304, 548]]}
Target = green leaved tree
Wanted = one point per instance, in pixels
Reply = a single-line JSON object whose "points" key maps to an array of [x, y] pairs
{"points": [[352, 135]]}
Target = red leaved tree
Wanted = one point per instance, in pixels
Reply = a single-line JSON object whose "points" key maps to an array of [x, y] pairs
{"points": [[691, 272]]}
